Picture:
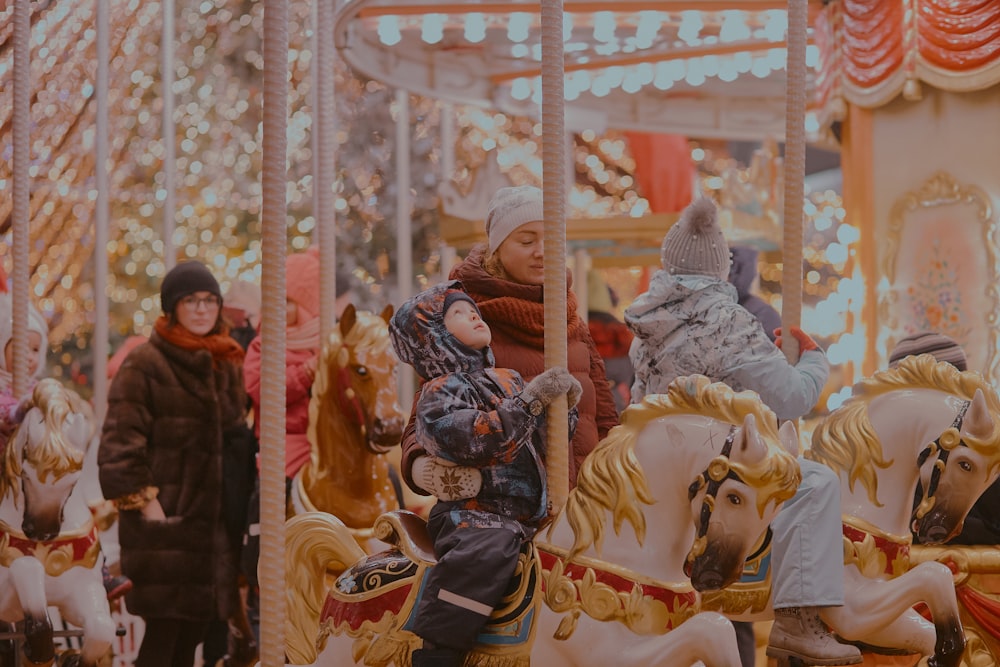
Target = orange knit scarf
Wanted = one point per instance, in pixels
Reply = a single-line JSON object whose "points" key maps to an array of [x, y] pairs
{"points": [[222, 347]]}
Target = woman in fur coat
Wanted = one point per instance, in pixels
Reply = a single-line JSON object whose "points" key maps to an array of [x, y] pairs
{"points": [[170, 408]]}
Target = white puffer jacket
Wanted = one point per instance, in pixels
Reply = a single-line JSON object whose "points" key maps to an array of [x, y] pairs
{"points": [[687, 324]]}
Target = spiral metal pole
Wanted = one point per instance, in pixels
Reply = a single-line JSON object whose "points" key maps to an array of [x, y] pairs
{"points": [[21, 191], [554, 208], [169, 134], [325, 161], [272, 418], [101, 215], [794, 173]]}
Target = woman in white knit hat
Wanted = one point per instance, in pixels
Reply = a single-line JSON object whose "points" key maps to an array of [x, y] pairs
{"points": [[690, 321], [505, 277]]}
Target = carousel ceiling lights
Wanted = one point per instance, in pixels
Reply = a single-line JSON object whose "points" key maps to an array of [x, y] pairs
{"points": [[710, 69]]}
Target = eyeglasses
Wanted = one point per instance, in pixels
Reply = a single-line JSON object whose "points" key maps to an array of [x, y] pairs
{"points": [[191, 302]]}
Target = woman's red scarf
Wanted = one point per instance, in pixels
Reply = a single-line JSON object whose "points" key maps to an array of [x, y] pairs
{"points": [[515, 309], [222, 346]]}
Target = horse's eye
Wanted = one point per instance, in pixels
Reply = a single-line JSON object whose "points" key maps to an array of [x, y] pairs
{"points": [[965, 465], [361, 370], [734, 499]]}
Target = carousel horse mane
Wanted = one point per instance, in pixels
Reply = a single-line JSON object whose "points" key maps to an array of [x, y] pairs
{"points": [[52, 454], [846, 440], [611, 479]]}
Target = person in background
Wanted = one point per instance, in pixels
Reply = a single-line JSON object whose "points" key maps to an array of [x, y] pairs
{"points": [[242, 311], [611, 338], [472, 413], [689, 322], [982, 524], [171, 408], [743, 276], [505, 277]]}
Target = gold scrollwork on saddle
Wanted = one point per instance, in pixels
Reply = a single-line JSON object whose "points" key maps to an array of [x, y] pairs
{"points": [[874, 552], [82, 548], [607, 592]]}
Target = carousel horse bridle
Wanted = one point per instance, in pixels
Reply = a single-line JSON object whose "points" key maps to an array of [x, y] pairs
{"points": [[717, 472], [942, 446]]}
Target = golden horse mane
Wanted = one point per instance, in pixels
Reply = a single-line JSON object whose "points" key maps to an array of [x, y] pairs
{"points": [[52, 455], [611, 479], [846, 441]]}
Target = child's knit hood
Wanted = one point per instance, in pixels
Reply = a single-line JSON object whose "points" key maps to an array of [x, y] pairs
{"points": [[421, 339]]}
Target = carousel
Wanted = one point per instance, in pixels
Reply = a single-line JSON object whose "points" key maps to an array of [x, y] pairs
{"points": [[629, 571]]}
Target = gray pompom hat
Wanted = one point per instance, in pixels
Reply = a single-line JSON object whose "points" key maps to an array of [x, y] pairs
{"points": [[695, 244]]}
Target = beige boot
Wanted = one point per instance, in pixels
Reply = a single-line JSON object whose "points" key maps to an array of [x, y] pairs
{"points": [[799, 633]]}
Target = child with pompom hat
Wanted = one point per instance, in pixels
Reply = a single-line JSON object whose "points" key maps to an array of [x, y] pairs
{"points": [[690, 322]]}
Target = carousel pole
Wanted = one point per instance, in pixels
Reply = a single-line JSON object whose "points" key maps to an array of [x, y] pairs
{"points": [[794, 174], [554, 209], [21, 192], [325, 162], [272, 418], [101, 217], [169, 134]]}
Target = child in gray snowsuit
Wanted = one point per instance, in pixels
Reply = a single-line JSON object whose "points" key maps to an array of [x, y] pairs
{"points": [[472, 414]]}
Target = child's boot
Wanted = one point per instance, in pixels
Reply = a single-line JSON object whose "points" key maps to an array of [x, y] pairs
{"points": [[437, 657]]}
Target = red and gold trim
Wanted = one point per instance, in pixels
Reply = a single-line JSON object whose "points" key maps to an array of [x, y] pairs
{"points": [[607, 592], [79, 548], [875, 552]]}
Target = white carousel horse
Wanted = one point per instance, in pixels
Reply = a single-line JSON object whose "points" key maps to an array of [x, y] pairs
{"points": [[712, 465], [354, 420], [49, 549], [921, 422]]}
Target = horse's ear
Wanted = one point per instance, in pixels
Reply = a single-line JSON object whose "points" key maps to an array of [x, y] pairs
{"points": [[387, 313], [789, 438], [978, 420], [347, 320], [751, 447]]}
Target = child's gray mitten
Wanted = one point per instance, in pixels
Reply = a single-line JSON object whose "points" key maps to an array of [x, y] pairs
{"points": [[546, 386], [446, 480]]}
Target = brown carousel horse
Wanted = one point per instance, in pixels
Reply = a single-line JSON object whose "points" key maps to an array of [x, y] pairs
{"points": [[354, 420]]}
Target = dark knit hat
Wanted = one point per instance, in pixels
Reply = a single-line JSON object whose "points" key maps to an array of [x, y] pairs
{"points": [[937, 345], [453, 295], [695, 244], [186, 278]]}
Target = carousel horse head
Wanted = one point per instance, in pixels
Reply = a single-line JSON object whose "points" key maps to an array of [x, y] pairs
{"points": [[357, 382], [44, 459], [716, 455], [938, 425]]}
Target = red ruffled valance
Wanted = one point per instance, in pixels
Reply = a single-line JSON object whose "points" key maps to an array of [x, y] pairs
{"points": [[880, 48]]}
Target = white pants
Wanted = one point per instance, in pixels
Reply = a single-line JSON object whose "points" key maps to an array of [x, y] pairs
{"points": [[807, 553]]}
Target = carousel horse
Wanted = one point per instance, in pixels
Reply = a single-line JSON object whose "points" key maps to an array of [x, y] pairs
{"points": [[354, 420], [713, 468], [924, 422], [49, 548]]}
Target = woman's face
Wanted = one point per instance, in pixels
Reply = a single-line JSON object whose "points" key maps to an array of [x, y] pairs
{"points": [[523, 254], [198, 312]]}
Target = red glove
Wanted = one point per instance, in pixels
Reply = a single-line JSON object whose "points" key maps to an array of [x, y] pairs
{"points": [[805, 342]]}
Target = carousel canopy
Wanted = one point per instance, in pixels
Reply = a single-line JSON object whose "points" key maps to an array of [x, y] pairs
{"points": [[706, 69]]}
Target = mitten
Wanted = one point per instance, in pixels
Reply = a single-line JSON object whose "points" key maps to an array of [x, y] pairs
{"points": [[446, 480], [574, 392], [548, 384], [805, 342]]}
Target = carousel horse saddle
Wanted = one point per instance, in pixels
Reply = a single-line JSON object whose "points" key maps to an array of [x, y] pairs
{"points": [[393, 581]]}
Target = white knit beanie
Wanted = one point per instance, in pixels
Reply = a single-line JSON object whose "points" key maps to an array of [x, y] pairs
{"points": [[36, 323], [695, 244], [510, 208]]}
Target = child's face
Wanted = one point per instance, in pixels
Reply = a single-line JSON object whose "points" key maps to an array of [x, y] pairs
{"points": [[463, 322], [34, 348]]}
